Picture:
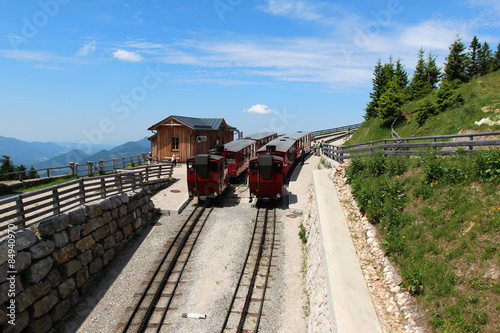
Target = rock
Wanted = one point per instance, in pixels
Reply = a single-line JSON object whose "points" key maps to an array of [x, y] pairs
{"points": [[108, 256], [94, 210], [82, 276], [95, 266], [109, 242], [124, 198], [107, 217], [77, 216], [25, 239], [60, 310], [41, 325], [100, 233], [127, 230], [53, 224], [22, 320], [85, 244], [118, 236], [71, 267], [122, 211], [54, 278], [30, 295], [92, 225], [60, 239], [23, 260], [38, 270], [97, 250], [107, 204], [41, 249], [65, 254], [44, 305], [112, 227], [66, 288], [125, 220], [86, 257], [74, 233]]}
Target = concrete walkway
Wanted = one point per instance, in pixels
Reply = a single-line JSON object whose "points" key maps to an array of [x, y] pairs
{"points": [[175, 197], [352, 302]]}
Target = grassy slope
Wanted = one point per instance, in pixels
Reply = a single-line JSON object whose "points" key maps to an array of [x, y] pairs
{"points": [[447, 238], [477, 94]]}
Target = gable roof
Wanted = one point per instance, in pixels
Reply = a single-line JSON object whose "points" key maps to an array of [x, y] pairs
{"points": [[213, 124]]}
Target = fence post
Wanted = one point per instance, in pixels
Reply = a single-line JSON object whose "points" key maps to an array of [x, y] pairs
{"points": [[48, 173], [20, 209], [103, 188], [71, 168], [81, 191], [119, 184], [471, 139], [55, 202], [131, 161], [123, 162], [101, 167], [89, 168], [21, 176], [113, 163]]}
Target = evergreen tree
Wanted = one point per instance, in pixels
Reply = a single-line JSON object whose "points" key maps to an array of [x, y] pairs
{"points": [[432, 71], [485, 59], [419, 85], [456, 62], [401, 76], [382, 76], [496, 60], [448, 96], [32, 174], [473, 68], [21, 168], [391, 100], [6, 167]]}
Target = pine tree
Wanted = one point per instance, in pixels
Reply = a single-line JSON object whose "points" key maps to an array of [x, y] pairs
{"points": [[456, 62], [6, 167], [419, 85], [32, 174], [382, 76], [21, 168], [485, 59], [496, 60], [391, 100], [401, 76], [473, 67], [432, 71]]}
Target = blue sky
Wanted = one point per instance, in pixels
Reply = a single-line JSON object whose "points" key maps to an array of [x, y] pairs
{"points": [[102, 72]]}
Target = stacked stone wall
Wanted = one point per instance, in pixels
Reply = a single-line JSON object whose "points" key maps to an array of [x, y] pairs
{"points": [[50, 266]]}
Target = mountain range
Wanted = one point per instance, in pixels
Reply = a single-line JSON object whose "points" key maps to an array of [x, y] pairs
{"points": [[50, 155]]}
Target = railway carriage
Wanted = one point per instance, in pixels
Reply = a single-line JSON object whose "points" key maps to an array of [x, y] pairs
{"points": [[302, 140], [237, 154], [207, 175], [262, 138]]}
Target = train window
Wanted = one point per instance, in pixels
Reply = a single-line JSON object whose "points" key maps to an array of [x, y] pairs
{"points": [[277, 167], [253, 167], [213, 166], [230, 158], [190, 166]]}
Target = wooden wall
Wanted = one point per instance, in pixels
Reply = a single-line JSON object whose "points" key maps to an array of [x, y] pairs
{"points": [[187, 141]]}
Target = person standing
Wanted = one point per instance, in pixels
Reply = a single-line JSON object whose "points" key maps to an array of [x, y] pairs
{"points": [[174, 159], [318, 147], [314, 147], [302, 154]]}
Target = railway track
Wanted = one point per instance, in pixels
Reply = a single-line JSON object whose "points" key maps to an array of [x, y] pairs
{"points": [[150, 312], [245, 310]]}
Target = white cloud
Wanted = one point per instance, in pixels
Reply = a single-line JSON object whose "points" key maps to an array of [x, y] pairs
{"points": [[127, 56], [435, 35], [87, 49], [259, 109]]}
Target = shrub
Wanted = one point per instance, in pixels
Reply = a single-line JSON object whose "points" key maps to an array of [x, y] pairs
{"points": [[376, 164], [397, 165], [427, 110], [356, 166]]}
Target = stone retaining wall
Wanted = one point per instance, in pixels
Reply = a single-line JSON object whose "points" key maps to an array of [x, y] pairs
{"points": [[321, 313], [56, 261]]}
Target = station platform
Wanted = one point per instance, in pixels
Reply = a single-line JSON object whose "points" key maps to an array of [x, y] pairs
{"points": [[174, 198]]}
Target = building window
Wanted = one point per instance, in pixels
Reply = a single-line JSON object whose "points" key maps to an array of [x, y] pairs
{"points": [[175, 143]]}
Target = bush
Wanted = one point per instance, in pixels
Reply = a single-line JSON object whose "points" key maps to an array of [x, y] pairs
{"points": [[427, 110], [376, 164]]}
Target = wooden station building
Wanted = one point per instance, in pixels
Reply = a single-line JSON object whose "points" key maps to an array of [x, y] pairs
{"points": [[187, 136]]}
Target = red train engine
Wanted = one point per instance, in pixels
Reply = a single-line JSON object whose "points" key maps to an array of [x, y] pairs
{"points": [[274, 163], [207, 175], [265, 176], [237, 154]]}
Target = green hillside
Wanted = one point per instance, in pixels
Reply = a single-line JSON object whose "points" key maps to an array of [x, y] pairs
{"points": [[439, 217], [479, 94]]}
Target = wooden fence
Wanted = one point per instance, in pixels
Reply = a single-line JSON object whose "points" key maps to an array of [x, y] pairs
{"points": [[89, 168], [324, 132], [403, 146], [30, 207]]}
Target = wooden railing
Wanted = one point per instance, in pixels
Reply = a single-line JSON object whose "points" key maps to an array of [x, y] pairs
{"points": [[316, 134], [403, 146], [20, 209], [89, 168]]}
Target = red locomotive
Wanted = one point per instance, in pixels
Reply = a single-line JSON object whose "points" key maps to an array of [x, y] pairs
{"points": [[274, 162], [207, 175]]}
